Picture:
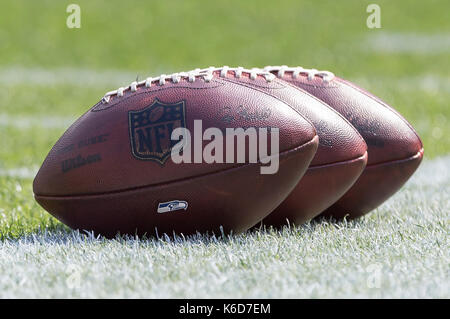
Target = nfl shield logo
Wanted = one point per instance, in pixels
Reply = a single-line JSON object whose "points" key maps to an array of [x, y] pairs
{"points": [[151, 128]]}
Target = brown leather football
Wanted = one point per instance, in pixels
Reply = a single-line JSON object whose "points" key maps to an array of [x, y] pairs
{"points": [[339, 161], [112, 171], [394, 148]]}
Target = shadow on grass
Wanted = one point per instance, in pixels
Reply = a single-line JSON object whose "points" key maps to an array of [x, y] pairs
{"points": [[59, 234]]}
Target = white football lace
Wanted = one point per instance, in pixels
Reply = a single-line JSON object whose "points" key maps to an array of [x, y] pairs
{"points": [[254, 72], [327, 76], [190, 76]]}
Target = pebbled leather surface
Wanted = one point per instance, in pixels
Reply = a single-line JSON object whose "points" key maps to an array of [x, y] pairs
{"points": [[118, 192], [394, 148], [338, 139], [388, 135]]}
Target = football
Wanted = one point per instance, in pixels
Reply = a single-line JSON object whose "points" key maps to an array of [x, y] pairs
{"points": [[394, 148], [118, 168], [339, 161]]}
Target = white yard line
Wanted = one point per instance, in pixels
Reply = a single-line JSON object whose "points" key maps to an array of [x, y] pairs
{"points": [[14, 75], [427, 83], [432, 172], [19, 172], [430, 83], [111, 79], [28, 121], [414, 43], [114, 78]]}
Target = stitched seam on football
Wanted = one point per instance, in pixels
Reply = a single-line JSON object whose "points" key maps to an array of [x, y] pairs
{"points": [[338, 163], [284, 153], [406, 159]]}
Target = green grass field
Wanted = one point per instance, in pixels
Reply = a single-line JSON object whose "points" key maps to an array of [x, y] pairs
{"points": [[50, 75]]}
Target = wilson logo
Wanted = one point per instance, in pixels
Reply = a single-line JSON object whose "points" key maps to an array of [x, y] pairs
{"points": [[78, 161]]}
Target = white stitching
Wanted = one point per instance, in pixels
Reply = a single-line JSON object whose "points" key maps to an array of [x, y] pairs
{"points": [[327, 76], [133, 86], [254, 72], [223, 72], [206, 74], [238, 72], [175, 78], [148, 82]]}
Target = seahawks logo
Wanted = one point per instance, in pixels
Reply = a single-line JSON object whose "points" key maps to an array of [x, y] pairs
{"points": [[172, 206]]}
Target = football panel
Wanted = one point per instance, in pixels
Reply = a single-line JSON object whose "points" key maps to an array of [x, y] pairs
{"points": [[387, 134]]}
